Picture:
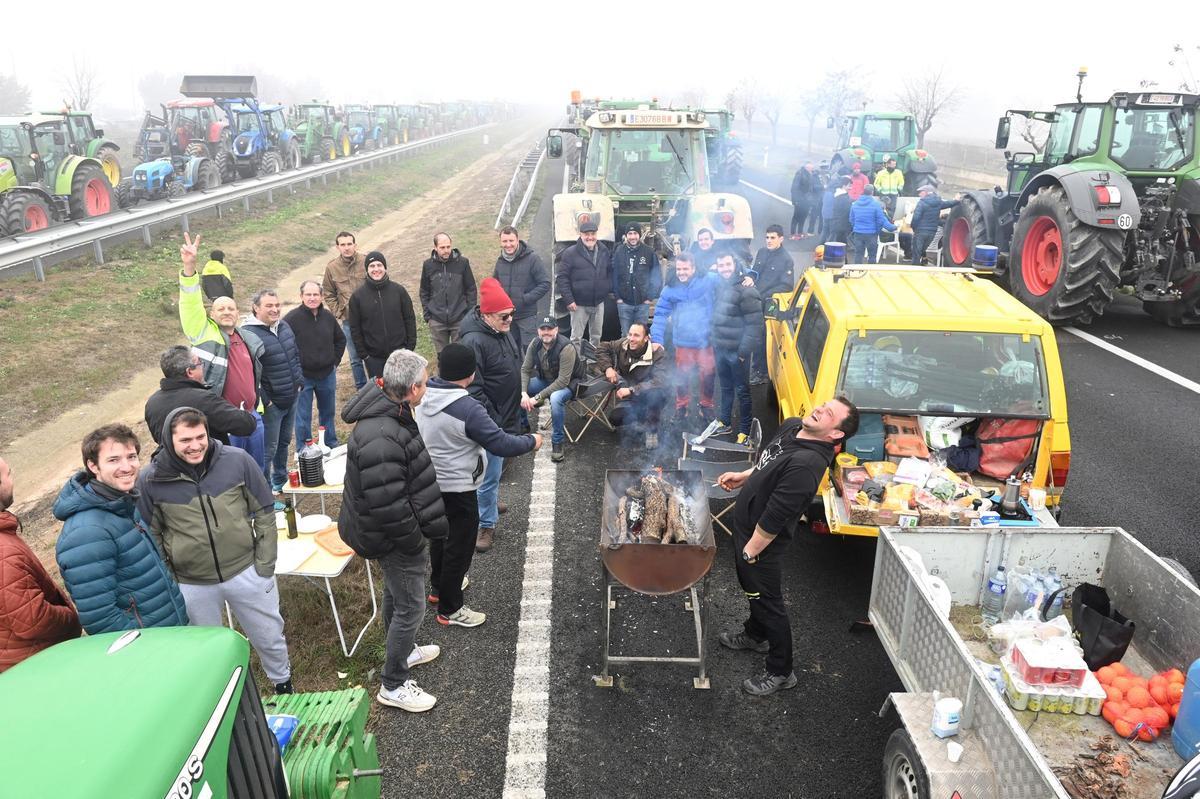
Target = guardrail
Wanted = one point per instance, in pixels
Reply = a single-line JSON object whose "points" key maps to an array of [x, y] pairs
{"points": [[62, 240], [526, 172]]}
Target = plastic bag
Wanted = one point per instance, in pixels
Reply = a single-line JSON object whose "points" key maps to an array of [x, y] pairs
{"points": [[1024, 597], [942, 432]]}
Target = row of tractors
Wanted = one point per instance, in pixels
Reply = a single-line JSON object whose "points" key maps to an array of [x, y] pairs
{"points": [[60, 167]]}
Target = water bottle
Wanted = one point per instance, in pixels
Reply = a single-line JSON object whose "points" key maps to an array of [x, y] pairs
{"points": [[1185, 734], [312, 465], [993, 597], [1054, 584]]}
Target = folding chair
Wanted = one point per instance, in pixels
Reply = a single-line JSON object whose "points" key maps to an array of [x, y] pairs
{"points": [[710, 471], [593, 400], [718, 450]]}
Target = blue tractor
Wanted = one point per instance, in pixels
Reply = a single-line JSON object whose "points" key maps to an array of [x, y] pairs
{"points": [[263, 144], [168, 177], [365, 131]]}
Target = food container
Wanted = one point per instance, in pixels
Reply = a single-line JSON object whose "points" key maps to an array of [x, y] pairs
{"points": [[1054, 662]]}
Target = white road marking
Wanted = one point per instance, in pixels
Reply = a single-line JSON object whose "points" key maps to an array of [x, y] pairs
{"points": [[525, 763], [770, 194], [1137, 360]]}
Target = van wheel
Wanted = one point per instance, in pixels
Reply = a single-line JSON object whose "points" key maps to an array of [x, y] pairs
{"points": [[904, 776]]}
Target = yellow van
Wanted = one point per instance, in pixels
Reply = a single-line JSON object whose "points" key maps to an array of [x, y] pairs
{"points": [[940, 347]]}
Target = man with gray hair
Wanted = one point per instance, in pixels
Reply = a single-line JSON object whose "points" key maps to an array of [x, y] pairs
{"points": [[282, 380], [321, 342], [390, 505], [182, 386]]}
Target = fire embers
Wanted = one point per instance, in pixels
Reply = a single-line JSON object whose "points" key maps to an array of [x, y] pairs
{"points": [[655, 511]]}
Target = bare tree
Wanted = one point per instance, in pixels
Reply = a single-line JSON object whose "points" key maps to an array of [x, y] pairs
{"points": [[1034, 134], [927, 96], [14, 95], [746, 98], [772, 108], [811, 106], [81, 83], [840, 94]]}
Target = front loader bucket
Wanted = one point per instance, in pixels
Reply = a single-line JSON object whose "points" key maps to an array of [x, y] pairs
{"points": [[219, 86]]}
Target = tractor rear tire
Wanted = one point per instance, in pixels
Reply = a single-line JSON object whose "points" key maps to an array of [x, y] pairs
{"points": [[1184, 312], [1060, 267], [124, 193], [271, 164], [965, 228], [207, 176], [196, 149], [328, 149], [91, 193], [223, 161], [292, 159], [107, 156], [24, 212]]}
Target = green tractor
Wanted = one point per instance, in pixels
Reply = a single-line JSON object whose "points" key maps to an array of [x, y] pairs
{"points": [[173, 712], [1112, 201], [84, 138], [321, 135], [872, 137], [43, 183], [724, 151], [392, 122]]}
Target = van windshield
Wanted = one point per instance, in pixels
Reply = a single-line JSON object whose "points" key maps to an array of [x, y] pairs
{"points": [[953, 373]]}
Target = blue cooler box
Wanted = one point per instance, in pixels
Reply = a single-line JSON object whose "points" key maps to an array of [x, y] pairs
{"points": [[867, 444]]}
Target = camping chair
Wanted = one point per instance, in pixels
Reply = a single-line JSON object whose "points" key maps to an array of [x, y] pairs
{"points": [[594, 398], [710, 471], [935, 246], [718, 450]]}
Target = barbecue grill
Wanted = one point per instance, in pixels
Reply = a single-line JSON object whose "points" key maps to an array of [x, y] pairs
{"points": [[632, 557]]}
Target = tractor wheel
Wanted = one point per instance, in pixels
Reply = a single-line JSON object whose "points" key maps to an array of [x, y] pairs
{"points": [[344, 146], [292, 158], [395, 137], [965, 228], [91, 193], [271, 164], [196, 149], [124, 193], [368, 145], [24, 212], [175, 189], [913, 182], [107, 156], [1184, 312], [207, 176], [223, 161], [1064, 270], [328, 149]]}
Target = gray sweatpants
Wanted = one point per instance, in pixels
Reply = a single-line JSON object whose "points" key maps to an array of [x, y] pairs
{"points": [[254, 601]]}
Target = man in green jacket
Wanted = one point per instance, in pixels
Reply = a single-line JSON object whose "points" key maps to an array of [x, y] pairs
{"points": [[230, 354], [212, 514]]}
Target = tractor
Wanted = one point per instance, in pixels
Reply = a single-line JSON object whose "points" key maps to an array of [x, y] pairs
{"points": [[192, 127], [419, 124], [391, 119], [724, 151], [1111, 201], [43, 183], [263, 144], [873, 137], [320, 134], [365, 133], [168, 177], [84, 138]]}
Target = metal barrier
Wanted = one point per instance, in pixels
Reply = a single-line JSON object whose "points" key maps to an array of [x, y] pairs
{"points": [[62, 239], [526, 173]]}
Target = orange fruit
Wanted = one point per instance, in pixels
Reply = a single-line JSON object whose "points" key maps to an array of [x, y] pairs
{"points": [[1147, 734], [1158, 692], [1114, 694], [1105, 675], [1138, 697], [1134, 715], [1118, 669], [1158, 679], [1140, 681], [1109, 711], [1175, 692], [1175, 675], [1123, 728], [1157, 717], [1122, 683]]}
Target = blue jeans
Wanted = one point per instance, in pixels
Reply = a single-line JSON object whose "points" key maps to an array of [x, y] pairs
{"points": [[558, 407], [629, 314], [325, 389], [278, 424], [254, 444], [356, 365], [733, 373], [489, 491], [863, 246]]}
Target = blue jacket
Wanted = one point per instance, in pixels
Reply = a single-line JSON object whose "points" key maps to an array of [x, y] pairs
{"points": [[927, 215], [110, 564], [282, 376], [867, 216], [689, 307]]}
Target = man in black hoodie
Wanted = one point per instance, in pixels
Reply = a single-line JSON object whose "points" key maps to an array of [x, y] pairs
{"points": [[381, 317], [636, 277], [774, 494], [183, 386], [447, 291], [524, 278]]}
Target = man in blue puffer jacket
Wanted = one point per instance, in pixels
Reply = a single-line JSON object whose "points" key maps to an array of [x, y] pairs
{"points": [[109, 563], [867, 218], [688, 306], [282, 380], [926, 218]]}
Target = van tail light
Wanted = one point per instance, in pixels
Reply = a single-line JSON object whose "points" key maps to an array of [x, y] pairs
{"points": [[1060, 467]]}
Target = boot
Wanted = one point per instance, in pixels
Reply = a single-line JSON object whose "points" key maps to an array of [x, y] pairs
{"points": [[556, 452], [487, 537], [501, 507]]}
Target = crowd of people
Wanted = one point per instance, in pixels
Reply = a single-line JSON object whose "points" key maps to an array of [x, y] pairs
{"points": [[194, 531]]}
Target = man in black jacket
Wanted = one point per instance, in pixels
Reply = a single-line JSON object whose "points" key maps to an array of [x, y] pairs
{"points": [[584, 284], [774, 494], [636, 278], [839, 225], [381, 317], [390, 506], [182, 386], [737, 328], [773, 271], [497, 386], [802, 198], [447, 291], [524, 278], [321, 343]]}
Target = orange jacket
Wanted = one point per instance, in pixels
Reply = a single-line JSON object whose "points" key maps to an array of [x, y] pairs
{"points": [[34, 612]]}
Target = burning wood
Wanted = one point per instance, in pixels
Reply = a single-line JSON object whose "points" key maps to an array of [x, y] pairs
{"points": [[654, 510]]}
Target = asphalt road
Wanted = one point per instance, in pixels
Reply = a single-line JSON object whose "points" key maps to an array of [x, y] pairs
{"points": [[653, 734]]}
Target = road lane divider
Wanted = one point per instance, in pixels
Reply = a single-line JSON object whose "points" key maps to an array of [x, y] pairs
{"points": [[1137, 360]]}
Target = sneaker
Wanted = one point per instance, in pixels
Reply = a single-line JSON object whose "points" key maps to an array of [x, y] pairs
{"points": [[722, 430], [742, 641], [463, 617], [796, 237], [767, 683], [652, 441], [466, 582], [556, 452], [285, 687], [487, 537], [742, 438], [423, 654], [432, 599], [502, 507], [408, 696]]}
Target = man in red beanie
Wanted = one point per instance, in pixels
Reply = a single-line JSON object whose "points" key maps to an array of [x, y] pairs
{"points": [[859, 180], [497, 386]]}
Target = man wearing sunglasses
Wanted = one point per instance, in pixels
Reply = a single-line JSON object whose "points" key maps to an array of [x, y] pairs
{"points": [[183, 386]]}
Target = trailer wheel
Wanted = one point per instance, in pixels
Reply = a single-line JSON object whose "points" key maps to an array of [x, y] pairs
{"points": [[965, 228], [1063, 269], [904, 776]]}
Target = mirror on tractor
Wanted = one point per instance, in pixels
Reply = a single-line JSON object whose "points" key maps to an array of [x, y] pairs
{"points": [[99, 132], [554, 145], [1003, 128]]}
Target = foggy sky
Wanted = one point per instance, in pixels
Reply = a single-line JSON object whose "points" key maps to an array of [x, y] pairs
{"points": [[536, 53]]}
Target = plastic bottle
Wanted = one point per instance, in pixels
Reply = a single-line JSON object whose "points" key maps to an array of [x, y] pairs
{"points": [[1054, 583], [325, 449], [312, 465], [1185, 734], [993, 596]]}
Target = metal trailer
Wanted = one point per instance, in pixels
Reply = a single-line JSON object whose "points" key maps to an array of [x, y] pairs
{"points": [[1012, 754]]}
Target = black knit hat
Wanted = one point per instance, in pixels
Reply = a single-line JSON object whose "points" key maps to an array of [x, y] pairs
{"points": [[373, 256], [455, 362]]}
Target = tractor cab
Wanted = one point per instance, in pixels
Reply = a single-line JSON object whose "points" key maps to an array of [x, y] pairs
{"points": [[872, 138], [196, 120], [18, 156], [86, 140]]}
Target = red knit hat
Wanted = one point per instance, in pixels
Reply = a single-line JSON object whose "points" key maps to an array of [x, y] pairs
{"points": [[492, 297]]}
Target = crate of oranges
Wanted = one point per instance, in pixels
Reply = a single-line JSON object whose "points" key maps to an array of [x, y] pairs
{"points": [[1139, 706]]}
